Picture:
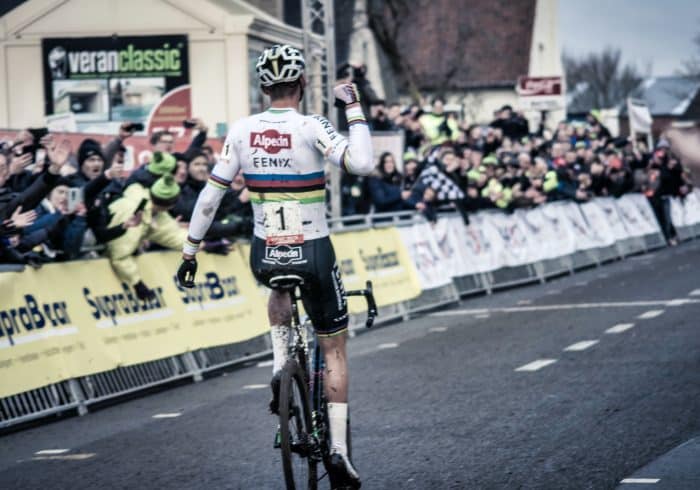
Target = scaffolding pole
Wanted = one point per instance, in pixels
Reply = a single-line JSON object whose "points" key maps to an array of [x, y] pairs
{"points": [[319, 50]]}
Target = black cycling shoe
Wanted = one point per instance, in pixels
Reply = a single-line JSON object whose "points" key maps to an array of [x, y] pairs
{"points": [[275, 385], [342, 473]]}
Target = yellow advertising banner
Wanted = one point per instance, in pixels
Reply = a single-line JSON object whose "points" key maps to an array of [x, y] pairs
{"points": [[74, 319], [378, 255]]}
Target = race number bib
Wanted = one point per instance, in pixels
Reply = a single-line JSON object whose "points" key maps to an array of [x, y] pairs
{"points": [[283, 223]]}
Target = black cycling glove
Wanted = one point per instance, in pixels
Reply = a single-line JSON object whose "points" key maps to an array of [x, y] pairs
{"points": [[143, 292], [186, 272]]}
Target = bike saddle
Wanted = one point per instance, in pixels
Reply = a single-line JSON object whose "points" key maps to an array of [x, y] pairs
{"points": [[286, 282]]}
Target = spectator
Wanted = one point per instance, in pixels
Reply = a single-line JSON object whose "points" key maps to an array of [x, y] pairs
{"points": [[355, 73], [437, 126], [198, 174], [385, 186], [16, 208], [139, 216], [512, 125], [380, 120]]}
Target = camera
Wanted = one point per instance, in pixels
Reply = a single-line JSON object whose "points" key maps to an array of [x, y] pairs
{"points": [[134, 127]]}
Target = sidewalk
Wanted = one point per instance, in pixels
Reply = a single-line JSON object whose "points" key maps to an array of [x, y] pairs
{"points": [[678, 469]]}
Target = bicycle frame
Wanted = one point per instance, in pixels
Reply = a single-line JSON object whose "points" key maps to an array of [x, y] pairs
{"points": [[313, 367]]}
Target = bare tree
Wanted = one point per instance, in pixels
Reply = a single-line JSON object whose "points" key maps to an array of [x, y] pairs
{"points": [[393, 21], [608, 81], [386, 18], [691, 66]]}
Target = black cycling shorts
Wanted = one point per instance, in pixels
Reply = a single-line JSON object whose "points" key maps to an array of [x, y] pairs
{"points": [[322, 293]]}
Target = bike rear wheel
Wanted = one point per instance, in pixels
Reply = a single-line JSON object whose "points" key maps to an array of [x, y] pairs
{"points": [[297, 442]]}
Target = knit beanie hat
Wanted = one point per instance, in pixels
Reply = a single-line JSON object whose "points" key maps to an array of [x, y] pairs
{"points": [[410, 155], [162, 164], [89, 147], [165, 191], [490, 160]]}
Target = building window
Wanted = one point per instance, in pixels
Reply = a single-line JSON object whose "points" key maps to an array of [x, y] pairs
{"points": [[292, 12]]}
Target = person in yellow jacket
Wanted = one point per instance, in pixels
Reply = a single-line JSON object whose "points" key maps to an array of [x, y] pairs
{"points": [[143, 215], [437, 126], [497, 193]]}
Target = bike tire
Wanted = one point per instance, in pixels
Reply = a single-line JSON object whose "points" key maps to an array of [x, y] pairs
{"points": [[300, 471]]}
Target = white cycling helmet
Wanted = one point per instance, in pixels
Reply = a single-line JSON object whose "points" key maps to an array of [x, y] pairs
{"points": [[280, 64]]}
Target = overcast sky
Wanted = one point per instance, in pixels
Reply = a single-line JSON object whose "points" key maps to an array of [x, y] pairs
{"points": [[659, 32]]}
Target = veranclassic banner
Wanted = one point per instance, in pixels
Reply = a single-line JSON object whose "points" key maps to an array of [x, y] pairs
{"points": [[107, 79]]}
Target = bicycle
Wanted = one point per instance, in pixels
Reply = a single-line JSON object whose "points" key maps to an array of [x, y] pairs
{"points": [[303, 434]]}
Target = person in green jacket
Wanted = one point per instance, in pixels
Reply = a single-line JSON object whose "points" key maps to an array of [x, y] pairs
{"points": [[437, 126], [143, 215]]}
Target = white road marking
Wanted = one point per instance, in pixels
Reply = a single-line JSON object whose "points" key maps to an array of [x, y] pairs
{"points": [[650, 314], [583, 345], [581, 283], [535, 365], [694, 292], [265, 363], [438, 329], [640, 480], [620, 327], [552, 292], [525, 302], [679, 302], [254, 387], [171, 415], [482, 316], [567, 306], [65, 457], [390, 345], [51, 451]]}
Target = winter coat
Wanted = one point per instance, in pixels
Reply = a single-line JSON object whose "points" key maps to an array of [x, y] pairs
{"points": [[159, 228]]}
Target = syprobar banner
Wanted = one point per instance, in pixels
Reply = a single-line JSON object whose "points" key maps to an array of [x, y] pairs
{"points": [[106, 80], [73, 319]]}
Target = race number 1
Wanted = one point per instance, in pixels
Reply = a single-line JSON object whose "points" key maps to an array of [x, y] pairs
{"points": [[283, 223]]}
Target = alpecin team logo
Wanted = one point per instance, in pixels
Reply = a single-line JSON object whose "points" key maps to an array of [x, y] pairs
{"points": [[284, 255], [271, 141]]}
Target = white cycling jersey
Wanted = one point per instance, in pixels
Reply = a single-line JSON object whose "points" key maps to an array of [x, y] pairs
{"points": [[281, 154]]}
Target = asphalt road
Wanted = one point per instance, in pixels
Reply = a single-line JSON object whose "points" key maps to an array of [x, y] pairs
{"points": [[461, 398]]}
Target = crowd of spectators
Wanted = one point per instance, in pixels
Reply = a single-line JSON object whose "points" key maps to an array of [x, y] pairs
{"points": [[505, 165], [60, 203]]}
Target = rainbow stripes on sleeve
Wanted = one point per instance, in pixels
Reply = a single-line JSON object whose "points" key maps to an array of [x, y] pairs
{"points": [[305, 188], [354, 114], [218, 182]]}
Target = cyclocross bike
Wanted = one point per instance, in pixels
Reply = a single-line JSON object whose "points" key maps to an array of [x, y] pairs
{"points": [[303, 434]]}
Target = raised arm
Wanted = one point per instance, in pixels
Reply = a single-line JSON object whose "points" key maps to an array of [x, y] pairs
{"points": [[353, 154]]}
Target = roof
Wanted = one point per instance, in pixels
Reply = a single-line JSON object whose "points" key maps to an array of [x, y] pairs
{"points": [[7, 5], [459, 44], [666, 96]]}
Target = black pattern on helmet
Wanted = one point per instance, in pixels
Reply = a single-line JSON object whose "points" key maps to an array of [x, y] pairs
{"points": [[280, 64]]}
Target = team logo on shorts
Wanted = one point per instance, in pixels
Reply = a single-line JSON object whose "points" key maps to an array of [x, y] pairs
{"points": [[284, 255], [271, 141]]}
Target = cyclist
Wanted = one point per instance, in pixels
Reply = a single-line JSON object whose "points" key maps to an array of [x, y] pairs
{"points": [[281, 154]]}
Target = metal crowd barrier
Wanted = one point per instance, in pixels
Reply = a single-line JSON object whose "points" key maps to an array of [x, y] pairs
{"points": [[77, 395]]}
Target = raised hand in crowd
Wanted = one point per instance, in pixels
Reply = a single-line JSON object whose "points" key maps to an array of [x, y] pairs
{"points": [[20, 219], [116, 171], [58, 154], [19, 163], [126, 130], [199, 124]]}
